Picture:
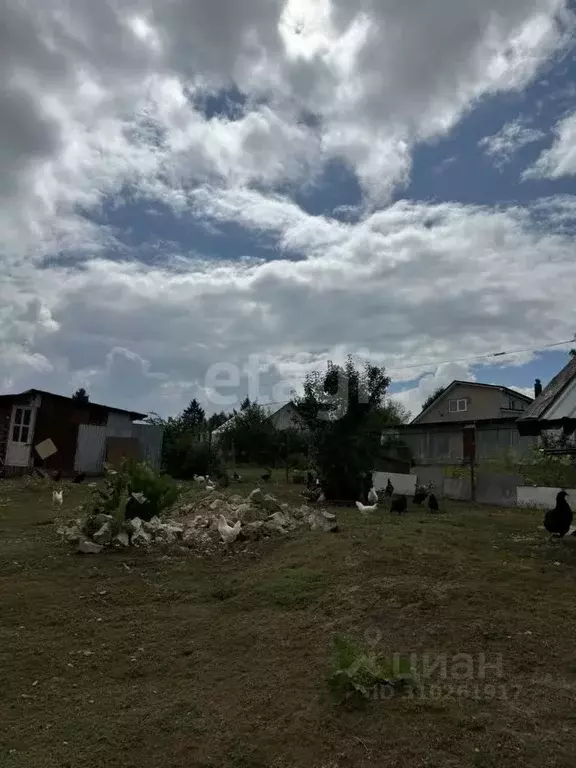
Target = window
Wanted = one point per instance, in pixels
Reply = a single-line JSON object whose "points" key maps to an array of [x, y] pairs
{"points": [[455, 406], [21, 426]]}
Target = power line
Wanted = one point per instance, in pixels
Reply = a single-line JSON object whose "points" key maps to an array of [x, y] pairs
{"points": [[488, 356]]}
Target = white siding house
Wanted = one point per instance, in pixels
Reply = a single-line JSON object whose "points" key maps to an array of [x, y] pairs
{"points": [[282, 415]]}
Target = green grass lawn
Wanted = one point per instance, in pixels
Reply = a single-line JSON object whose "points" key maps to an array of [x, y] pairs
{"points": [[152, 659]]}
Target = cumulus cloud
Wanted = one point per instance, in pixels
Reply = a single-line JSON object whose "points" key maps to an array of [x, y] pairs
{"points": [[501, 146], [560, 159], [414, 284], [102, 105]]}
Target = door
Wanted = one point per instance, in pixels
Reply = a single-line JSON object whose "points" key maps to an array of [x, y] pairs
{"points": [[20, 437]]}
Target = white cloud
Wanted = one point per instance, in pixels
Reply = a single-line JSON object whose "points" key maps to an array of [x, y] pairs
{"points": [[99, 97], [100, 105], [509, 139], [414, 284], [560, 159]]}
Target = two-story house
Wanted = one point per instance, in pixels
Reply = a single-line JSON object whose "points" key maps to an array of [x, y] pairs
{"points": [[435, 436], [469, 401]]}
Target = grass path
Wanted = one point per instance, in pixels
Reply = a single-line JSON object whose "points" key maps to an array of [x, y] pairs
{"points": [[157, 659]]}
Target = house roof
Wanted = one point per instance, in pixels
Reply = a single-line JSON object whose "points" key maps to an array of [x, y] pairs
{"points": [[499, 421], [550, 393], [457, 382], [134, 415], [270, 408]]}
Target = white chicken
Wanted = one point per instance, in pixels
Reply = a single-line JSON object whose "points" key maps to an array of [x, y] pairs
{"points": [[199, 479], [373, 496], [210, 488], [57, 497], [365, 509], [228, 533]]}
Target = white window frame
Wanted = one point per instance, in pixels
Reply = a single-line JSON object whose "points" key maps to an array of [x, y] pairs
{"points": [[20, 428], [458, 405]]}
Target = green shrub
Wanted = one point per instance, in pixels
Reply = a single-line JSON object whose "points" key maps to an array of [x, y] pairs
{"points": [[358, 672], [298, 461], [115, 498], [160, 490], [186, 456]]}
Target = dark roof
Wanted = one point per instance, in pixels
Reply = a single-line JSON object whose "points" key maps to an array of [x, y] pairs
{"points": [[551, 392], [134, 415], [498, 421], [506, 390]]}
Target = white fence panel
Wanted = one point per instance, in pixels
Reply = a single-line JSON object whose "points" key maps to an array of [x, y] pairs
{"points": [[90, 449], [91, 445], [541, 497]]}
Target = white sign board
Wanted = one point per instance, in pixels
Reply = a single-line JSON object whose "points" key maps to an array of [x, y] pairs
{"points": [[45, 449]]}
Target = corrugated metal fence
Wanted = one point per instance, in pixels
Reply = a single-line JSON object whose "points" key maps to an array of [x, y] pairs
{"points": [[91, 446]]}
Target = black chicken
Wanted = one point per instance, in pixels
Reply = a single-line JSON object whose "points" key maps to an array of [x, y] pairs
{"points": [[389, 490], [557, 521], [420, 496], [79, 478], [267, 475], [399, 504], [237, 477], [433, 504], [57, 475]]}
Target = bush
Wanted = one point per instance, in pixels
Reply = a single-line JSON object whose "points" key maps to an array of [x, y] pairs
{"points": [[298, 461], [187, 457], [160, 490], [116, 498], [358, 673]]}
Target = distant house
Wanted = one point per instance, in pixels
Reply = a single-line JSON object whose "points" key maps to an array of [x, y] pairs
{"points": [[83, 434], [555, 406], [436, 436], [282, 415], [466, 401]]}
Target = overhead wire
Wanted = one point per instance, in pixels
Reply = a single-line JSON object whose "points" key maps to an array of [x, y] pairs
{"points": [[488, 356]]}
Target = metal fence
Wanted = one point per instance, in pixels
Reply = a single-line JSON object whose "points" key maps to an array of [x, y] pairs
{"points": [[91, 445], [446, 446]]}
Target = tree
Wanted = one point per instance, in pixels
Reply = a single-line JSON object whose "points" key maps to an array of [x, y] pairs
{"points": [[216, 420], [572, 353], [393, 413], [81, 396], [430, 399], [343, 408], [253, 436], [245, 404], [193, 416], [183, 455]]}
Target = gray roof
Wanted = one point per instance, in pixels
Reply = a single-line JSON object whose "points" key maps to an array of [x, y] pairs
{"points": [[551, 392], [270, 409]]}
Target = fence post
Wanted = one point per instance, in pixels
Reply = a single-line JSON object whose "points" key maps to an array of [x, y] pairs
{"points": [[287, 454], [469, 453]]}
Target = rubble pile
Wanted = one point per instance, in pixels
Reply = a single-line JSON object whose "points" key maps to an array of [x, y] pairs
{"points": [[193, 524]]}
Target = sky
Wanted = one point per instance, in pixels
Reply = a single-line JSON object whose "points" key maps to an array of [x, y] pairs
{"points": [[211, 200]]}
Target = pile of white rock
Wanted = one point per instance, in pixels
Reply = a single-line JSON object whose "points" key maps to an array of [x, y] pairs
{"points": [[194, 525]]}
